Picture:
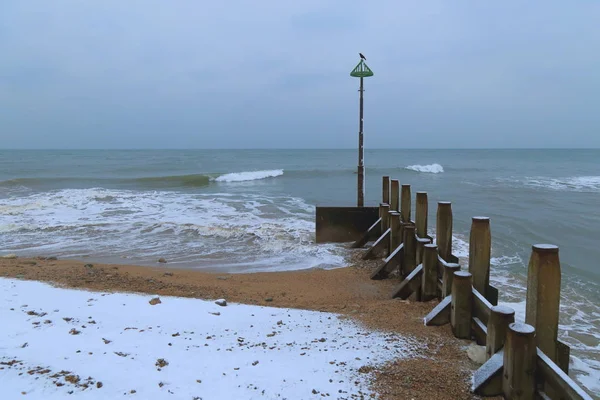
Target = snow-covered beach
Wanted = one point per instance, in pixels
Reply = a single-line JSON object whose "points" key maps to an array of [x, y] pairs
{"points": [[57, 342]]}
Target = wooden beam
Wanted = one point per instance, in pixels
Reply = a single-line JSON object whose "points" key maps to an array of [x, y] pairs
{"points": [[562, 384], [440, 315], [487, 380], [388, 265], [379, 245], [411, 284], [368, 235], [481, 307], [479, 330]]}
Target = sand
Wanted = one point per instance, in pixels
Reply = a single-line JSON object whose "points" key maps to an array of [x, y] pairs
{"points": [[443, 373]]}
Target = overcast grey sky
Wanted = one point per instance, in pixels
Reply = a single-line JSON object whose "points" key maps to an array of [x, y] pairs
{"points": [[264, 74]]}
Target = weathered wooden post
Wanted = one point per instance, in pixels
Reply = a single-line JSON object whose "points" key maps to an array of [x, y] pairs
{"points": [[405, 205], [543, 297], [385, 198], [519, 362], [500, 318], [395, 239], [410, 249], [421, 214], [421, 223], [461, 311], [448, 277], [384, 210], [480, 250], [395, 195], [429, 282], [444, 230]]}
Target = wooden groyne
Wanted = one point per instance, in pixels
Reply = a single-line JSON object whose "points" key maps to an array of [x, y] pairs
{"points": [[524, 360]]}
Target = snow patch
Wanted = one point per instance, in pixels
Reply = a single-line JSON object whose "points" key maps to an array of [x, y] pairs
{"points": [[102, 346]]}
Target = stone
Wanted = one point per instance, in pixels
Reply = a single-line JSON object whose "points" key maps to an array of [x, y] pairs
{"points": [[476, 353], [51, 258], [269, 299], [221, 302], [155, 301], [89, 266], [162, 260], [9, 256]]}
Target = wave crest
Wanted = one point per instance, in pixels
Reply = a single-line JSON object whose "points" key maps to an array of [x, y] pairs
{"points": [[430, 168], [249, 175], [575, 183]]}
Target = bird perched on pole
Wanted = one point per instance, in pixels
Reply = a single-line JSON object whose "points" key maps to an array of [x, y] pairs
{"points": [[361, 56]]}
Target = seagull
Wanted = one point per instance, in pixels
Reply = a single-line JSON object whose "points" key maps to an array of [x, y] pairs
{"points": [[361, 56]]}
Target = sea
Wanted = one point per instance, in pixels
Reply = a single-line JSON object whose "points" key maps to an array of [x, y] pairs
{"points": [[254, 210]]}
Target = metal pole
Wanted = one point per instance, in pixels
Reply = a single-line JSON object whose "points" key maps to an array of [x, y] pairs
{"points": [[361, 164]]}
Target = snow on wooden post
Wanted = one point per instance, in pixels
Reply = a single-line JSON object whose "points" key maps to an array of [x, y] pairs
{"points": [[461, 311], [444, 229], [543, 297], [410, 249], [519, 362], [448, 277], [500, 318], [405, 205], [480, 245], [385, 198], [429, 281], [395, 195]]}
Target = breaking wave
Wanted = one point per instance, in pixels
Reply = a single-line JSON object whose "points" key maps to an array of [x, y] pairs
{"points": [[249, 176], [431, 168]]}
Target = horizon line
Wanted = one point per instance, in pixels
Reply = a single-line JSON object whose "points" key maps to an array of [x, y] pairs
{"points": [[294, 148]]}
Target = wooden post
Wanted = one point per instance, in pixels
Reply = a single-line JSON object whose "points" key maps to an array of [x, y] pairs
{"points": [[405, 205], [444, 229], [385, 198], [421, 214], [480, 250], [396, 240], [543, 297], [448, 278], [429, 281], [461, 311], [519, 362], [384, 210], [410, 249], [395, 195], [500, 318]]}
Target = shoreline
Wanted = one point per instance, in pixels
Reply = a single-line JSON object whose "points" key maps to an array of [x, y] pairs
{"points": [[443, 371]]}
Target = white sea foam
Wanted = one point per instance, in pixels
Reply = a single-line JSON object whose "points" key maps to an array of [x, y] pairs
{"points": [[249, 176], [255, 232], [431, 168], [573, 183]]}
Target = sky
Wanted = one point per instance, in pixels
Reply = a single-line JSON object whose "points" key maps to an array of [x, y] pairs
{"points": [[276, 74]]}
